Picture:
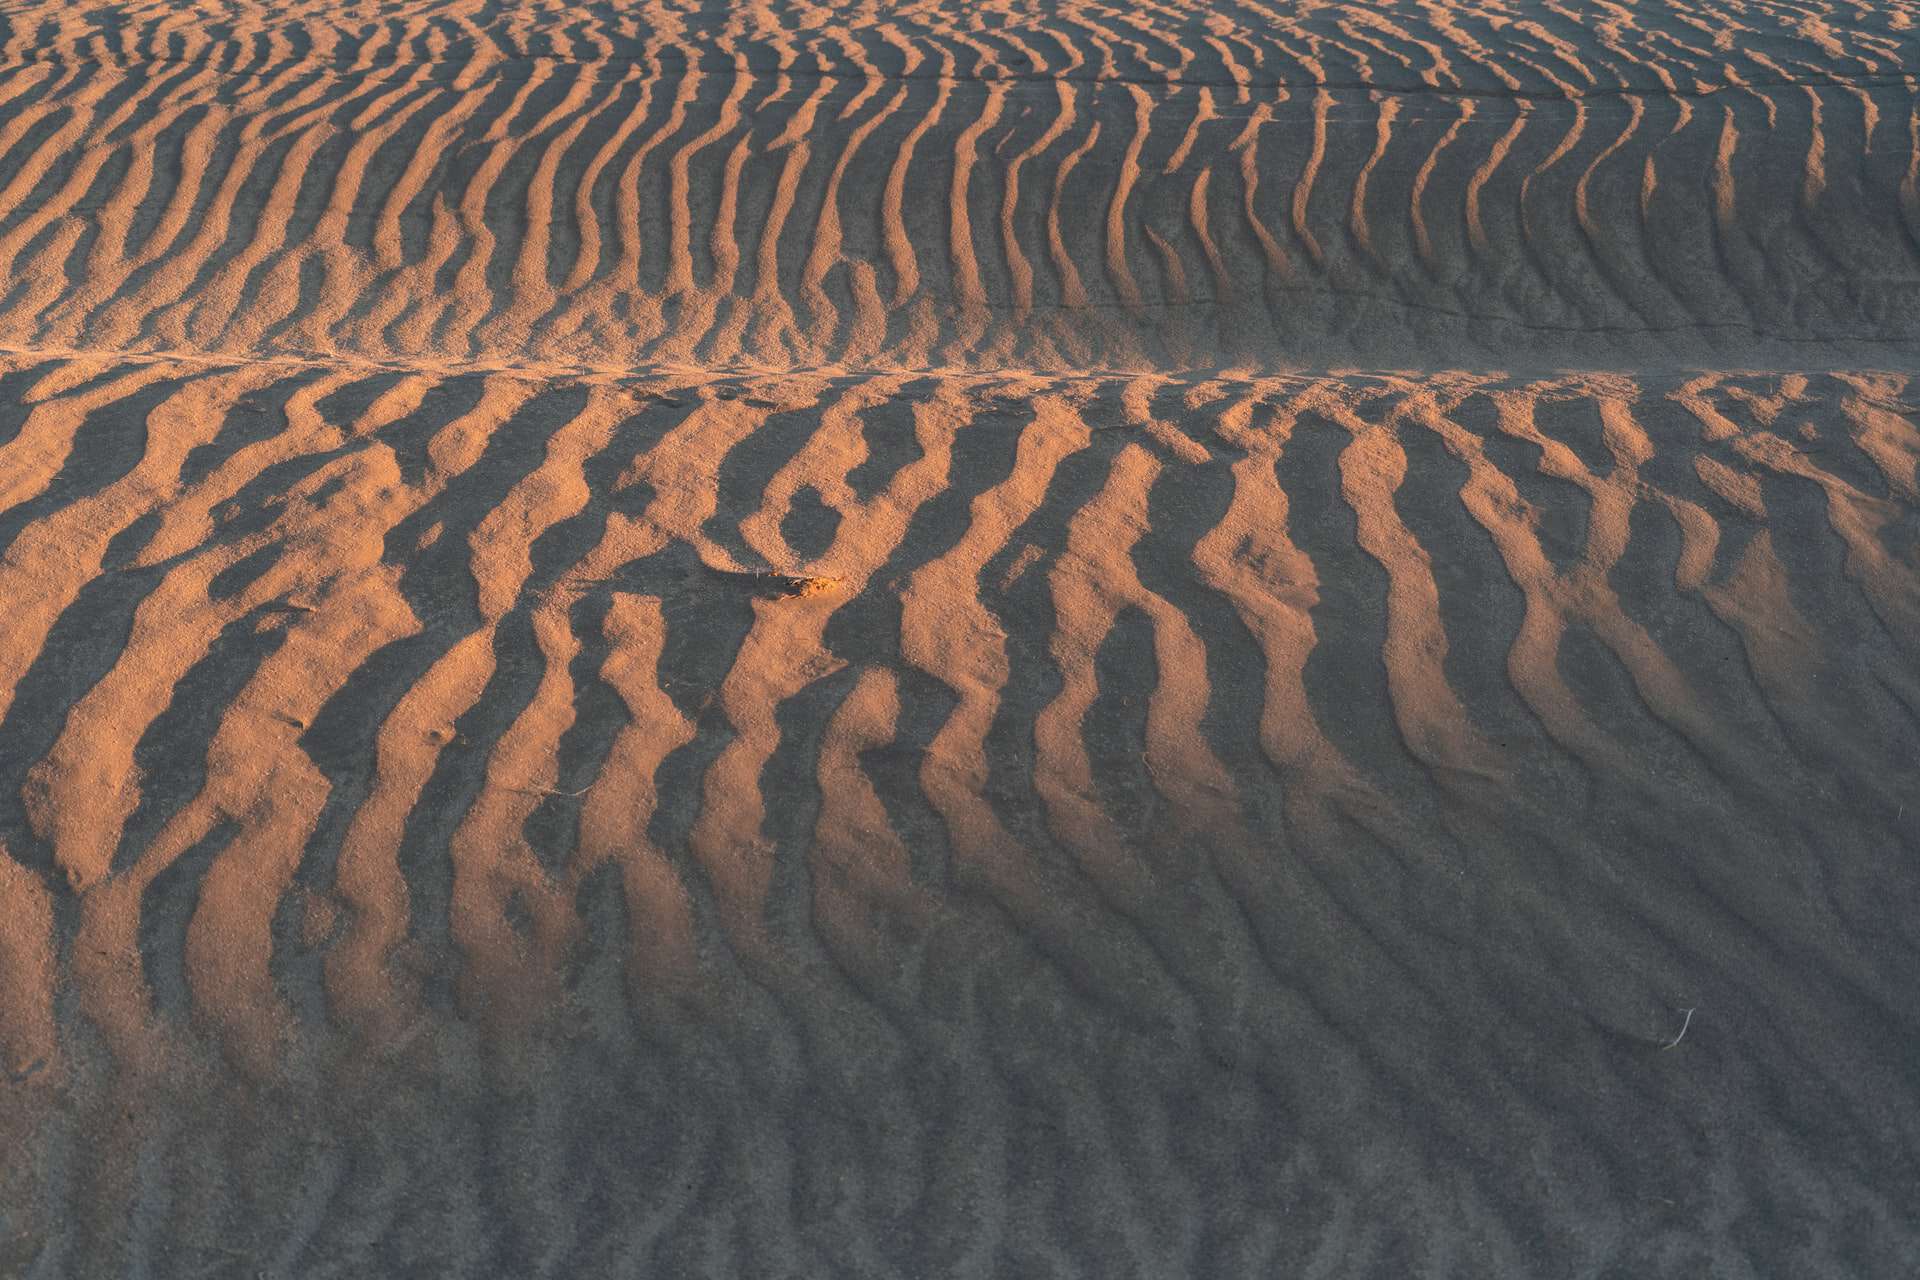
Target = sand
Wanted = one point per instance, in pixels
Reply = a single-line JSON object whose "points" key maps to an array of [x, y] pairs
{"points": [[959, 639]]}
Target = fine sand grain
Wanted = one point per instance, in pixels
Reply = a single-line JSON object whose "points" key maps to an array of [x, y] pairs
{"points": [[960, 639]]}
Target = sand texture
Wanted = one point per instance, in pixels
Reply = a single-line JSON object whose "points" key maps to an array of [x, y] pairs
{"points": [[960, 639]]}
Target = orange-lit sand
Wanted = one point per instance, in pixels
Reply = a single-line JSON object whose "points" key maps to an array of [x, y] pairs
{"points": [[959, 639]]}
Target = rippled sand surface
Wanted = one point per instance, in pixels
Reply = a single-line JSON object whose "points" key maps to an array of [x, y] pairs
{"points": [[949, 639]]}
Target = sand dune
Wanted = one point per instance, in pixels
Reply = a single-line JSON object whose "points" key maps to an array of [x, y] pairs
{"points": [[959, 640], [1417, 187]]}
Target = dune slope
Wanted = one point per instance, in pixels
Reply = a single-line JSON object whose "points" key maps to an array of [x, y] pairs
{"points": [[934, 639]]}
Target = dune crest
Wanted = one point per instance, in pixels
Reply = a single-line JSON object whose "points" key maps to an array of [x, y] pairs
{"points": [[1334, 187]]}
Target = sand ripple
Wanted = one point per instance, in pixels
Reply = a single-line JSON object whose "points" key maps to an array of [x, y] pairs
{"points": [[1414, 187], [989, 640]]}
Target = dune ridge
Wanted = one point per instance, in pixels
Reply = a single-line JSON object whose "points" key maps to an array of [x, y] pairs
{"points": [[653, 188]]}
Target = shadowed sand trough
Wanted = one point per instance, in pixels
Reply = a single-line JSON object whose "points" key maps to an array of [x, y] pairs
{"points": [[950, 640]]}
